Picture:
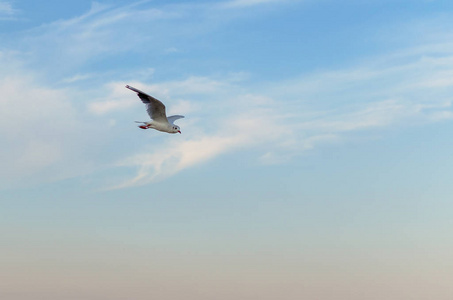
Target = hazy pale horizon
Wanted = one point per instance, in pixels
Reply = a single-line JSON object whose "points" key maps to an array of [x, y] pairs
{"points": [[315, 160]]}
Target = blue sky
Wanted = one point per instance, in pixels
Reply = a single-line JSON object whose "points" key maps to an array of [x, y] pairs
{"points": [[314, 160]]}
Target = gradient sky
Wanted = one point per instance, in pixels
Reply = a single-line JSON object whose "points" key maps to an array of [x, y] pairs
{"points": [[315, 160]]}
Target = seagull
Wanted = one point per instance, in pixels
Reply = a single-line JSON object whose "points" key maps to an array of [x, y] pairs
{"points": [[156, 110]]}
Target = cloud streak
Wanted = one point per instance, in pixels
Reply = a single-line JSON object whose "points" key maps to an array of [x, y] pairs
{"points": [[7, 11], [291, 117], [247, 3], [225, 113]]}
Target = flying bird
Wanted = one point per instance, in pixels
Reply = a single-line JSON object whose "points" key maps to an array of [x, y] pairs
{"points": [[156, 111]]}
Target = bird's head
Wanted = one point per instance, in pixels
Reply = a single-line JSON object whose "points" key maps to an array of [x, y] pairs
{"points": [[176, 129]]}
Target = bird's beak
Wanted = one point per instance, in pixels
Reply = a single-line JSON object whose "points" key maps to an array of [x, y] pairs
{"points": [[179, 131]]}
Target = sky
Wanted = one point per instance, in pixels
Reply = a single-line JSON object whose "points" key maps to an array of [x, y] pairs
{"points": [[315, 160]]}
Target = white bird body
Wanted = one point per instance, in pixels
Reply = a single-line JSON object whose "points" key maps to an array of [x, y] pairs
{"points": [[160, 126], [156, 111]]}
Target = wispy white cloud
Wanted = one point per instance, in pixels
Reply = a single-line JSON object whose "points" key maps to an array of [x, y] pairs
{"points": [[285, 119], [120, 98], [35, 124], [102, 31], [172, 50], [279, 120], [279, 139], [108, 31], [108, 106], [248, 3], [77, 77], [44, 135], [7, 11], [115, 99], [177, 155]]}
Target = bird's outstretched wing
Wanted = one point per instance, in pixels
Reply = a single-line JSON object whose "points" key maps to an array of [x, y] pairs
{"points": [[154, 107], [172, 119]]}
